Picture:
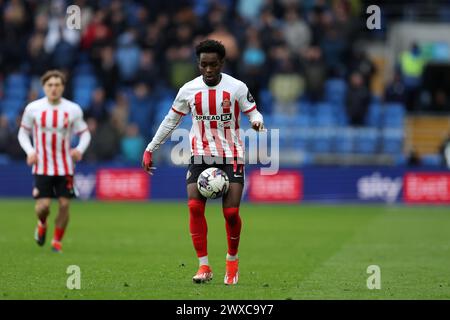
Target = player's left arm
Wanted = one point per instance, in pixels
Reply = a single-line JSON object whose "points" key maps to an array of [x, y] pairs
{"points": [[80, 128], [248, 106]]}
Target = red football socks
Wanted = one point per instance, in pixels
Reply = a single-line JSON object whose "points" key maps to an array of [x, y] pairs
{"points": [[233, 226], [59, 233], [198, 226]]}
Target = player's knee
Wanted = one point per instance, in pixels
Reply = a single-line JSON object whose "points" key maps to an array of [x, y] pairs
{"points": [[196, 206], [64, 204], [42, 207], [231, 215]]}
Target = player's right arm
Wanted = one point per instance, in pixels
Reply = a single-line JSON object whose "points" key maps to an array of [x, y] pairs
{"points": [[180, 108], [24, 136]]}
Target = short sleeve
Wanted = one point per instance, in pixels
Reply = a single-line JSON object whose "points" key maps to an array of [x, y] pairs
{"points": [[27, 118], [79, 125], [245, 99], [181, 104]]}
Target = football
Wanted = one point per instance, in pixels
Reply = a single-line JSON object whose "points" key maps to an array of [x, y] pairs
{"points": [[213, 183]]}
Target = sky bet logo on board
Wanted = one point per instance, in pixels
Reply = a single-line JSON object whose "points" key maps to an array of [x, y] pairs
{"points": [[377, 187]]}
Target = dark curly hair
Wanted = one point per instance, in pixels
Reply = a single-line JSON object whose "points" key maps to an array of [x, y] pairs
{"points": [[210, 46]]}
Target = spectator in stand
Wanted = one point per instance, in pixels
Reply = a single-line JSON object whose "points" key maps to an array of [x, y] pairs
{"points": [[132, 144], [13, 33], [179, 56], [249, 9], [38, 60], [61, 42], [5, 133], [120, 114], [395, 90], [267, 25], [295, 30], [334, 47], [14, 150], [116, 19], [97, 109], [128, 54], [285, 84], [411, 65], [148, 71], [105, 142], [107, 71], [357, 100], [360, 62], [252, 68], [222, 34], [142, 108], [96, 31], [314, 72]]}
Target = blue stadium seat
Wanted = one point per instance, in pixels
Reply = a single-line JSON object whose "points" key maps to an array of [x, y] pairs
{"points": [[326, 120], [301, 141], [366, 141], [18, 93], [392, 141], [324, 108], [302, 121], [322, 140], [282, 120], [344, 140], [17, 80], [84, 69], [341, 117], [82, 96], [266, 101], [393, 115], [373, 118], [431, 160], [306, 107], [285, 141], [85, 81], [335, 90], [12, 105]]}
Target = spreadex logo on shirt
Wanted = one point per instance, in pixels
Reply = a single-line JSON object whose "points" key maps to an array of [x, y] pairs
{"points": [[218, 117]]}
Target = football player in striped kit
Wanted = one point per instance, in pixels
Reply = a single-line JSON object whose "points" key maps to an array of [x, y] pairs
{"points": [[51, 121], [215, 101]]}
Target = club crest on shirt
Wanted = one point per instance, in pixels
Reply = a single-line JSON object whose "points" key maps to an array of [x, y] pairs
{"points": [[226, 104]]}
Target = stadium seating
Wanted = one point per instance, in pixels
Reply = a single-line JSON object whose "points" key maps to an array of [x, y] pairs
{"points": [[392, 140], [335, 90], [345, 140], [393, 115], [322, 140], [366, 141]]}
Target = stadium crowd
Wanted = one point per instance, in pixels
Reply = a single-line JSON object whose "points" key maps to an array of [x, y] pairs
{"points": [[129, 58]]}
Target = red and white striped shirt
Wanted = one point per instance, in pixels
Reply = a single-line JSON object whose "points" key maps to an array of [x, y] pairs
{"points": [[52, 127], [215, 115]]}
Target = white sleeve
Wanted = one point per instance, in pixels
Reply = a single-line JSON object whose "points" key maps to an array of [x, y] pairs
{"points": [[180, 104], [25, 141], [170, 122], [254, 115], [79, 125], [245, 99], [85, 139], [27, 118]]}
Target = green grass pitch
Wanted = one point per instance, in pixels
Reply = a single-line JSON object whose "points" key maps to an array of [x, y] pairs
{"points": [[144, 251]]}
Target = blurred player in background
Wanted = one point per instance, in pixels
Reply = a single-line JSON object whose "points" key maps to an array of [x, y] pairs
{"points": [[51, 121], [215, 101]]}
